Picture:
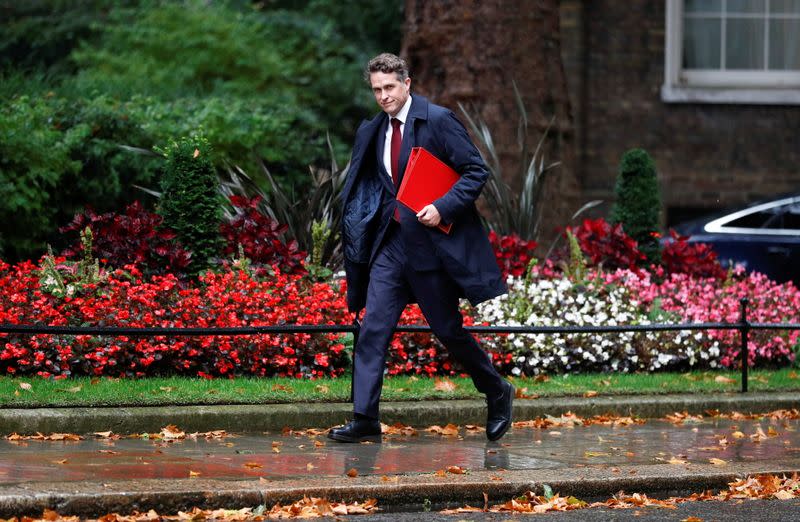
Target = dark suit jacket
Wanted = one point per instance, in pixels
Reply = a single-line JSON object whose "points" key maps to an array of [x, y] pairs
{"points": [[369, 202]]}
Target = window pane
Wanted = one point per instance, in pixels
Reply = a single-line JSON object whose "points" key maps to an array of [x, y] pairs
{"points": [[784, 45], [784, 6], [747, 6], [701, 43], [703, 6], [744, 44]]}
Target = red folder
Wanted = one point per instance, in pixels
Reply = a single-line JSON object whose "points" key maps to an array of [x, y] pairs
{"points": [[426, 179]]}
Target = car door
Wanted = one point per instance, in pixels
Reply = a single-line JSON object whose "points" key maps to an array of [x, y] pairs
{"points": [[764, 238]]}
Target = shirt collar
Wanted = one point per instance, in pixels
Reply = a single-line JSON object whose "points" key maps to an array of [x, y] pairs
{"points": [[403, 114]]}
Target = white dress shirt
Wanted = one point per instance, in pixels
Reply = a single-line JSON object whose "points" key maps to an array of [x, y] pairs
{"points": [[387, 144]]}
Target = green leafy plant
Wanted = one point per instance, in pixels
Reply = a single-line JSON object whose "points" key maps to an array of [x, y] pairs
{"points": [[190, 202], [70, 278], [304, 210], [638, 201], [511, 211]]}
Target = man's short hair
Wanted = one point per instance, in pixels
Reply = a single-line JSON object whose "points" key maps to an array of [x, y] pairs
{"points": [[387, 63]]}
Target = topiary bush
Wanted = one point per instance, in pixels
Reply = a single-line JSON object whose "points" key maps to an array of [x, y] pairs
{"points": [[638, 201], [190, 203]]}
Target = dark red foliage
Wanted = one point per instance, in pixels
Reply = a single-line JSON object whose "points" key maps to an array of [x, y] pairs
{"points": [[607, 244], [695, 259], [133, 237], [260, 237], [513, 253]]}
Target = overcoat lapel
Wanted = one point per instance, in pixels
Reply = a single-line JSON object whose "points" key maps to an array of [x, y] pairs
{"points": [[380, 142]]}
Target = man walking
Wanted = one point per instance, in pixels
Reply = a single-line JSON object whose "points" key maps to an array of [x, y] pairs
{"points": [[394, 256]]}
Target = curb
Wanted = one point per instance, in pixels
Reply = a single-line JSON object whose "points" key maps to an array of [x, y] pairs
{"points": [[409, 492], [273, 417]]}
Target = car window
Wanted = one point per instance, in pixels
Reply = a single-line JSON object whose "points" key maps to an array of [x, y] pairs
{"points": [[783, 217]]}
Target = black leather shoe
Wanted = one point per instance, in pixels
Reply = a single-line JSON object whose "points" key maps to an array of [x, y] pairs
{"points": [[357, 430], [500, 412]]}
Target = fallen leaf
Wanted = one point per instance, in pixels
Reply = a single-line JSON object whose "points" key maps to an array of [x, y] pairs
{"points": [[196, 153], [352, 472], [25, 386], [321, 388], [282, 387], [445, 385], [60, 461], [724, 380], [590, 393], [253, 465], [194, 473], [738, 435], [456, 470], [541, 378], [172, 432], [385, 478], [717, 462]]}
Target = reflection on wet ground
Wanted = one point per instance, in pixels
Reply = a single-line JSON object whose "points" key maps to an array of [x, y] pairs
{"points": [[274, 455]]}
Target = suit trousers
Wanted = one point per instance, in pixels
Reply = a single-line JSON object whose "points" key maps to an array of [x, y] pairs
{"points": [[391, 286]]}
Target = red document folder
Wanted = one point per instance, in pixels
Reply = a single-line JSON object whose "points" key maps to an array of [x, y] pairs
{"points": [[426, 179]]}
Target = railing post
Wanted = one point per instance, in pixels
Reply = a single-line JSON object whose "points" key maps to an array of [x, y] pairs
{"points": [[744, 331], [356, 333]]}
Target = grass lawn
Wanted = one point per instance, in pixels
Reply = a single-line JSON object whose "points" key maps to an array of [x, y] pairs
{"points": [[84, 391]]}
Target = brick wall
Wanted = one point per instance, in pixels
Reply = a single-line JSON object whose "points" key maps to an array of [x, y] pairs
{"points": [[709, 156]]}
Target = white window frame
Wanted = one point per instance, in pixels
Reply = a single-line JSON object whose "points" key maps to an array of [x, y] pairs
{"points": [[719, 86]]}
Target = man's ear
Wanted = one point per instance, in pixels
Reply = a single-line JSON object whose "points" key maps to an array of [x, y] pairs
{"points": [[408, 83]]}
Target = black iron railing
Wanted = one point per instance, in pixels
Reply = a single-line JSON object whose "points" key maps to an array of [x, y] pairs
{"points": [[743, 326]]}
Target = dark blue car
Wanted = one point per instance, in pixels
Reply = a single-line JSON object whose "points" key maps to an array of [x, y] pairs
{"points": [[764, 237]]}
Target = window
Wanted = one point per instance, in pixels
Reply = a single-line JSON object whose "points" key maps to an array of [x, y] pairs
{"points": [[732, 51]]}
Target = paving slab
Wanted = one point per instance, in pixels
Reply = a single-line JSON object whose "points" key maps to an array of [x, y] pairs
{"points": [[96, 476]]}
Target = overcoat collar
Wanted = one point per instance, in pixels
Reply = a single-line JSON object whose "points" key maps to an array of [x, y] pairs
{"points": [[375, 129]]}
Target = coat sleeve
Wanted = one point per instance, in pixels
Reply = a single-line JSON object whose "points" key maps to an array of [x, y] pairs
{"points": [[459, 152]]}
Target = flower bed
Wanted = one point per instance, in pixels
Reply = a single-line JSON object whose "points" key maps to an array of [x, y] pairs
{"points": [[124, 298], [235, 297], [635, 297]]}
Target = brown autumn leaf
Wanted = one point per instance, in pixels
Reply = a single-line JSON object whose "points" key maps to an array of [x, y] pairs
{"points": [[590, 393], [352, 472], [25, 386], [322, 388], [451, 430], [444, 385], [63, 461], [522, 393], [253, 465], [692, 519], [440, 473], [193, 474], [385, 478], [456, 470], [196, 153], [283, 388], [724, 380], [541, 378], [318, 444], [738, 435], [172, 432], [792, 375], [718, 462]]}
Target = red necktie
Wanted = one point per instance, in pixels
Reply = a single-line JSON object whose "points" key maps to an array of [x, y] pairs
{"points": [[397, 139]]}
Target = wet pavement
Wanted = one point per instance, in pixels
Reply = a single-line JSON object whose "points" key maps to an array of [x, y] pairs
{"points": [[720, 442]]}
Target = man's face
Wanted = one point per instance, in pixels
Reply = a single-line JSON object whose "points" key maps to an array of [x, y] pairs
{"points": [[390, 92]]}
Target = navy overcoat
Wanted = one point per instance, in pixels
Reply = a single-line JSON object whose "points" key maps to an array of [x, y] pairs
{"points": [[369, 201]]}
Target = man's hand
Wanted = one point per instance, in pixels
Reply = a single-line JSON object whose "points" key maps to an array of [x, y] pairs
{"points": [[429, 216]]}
